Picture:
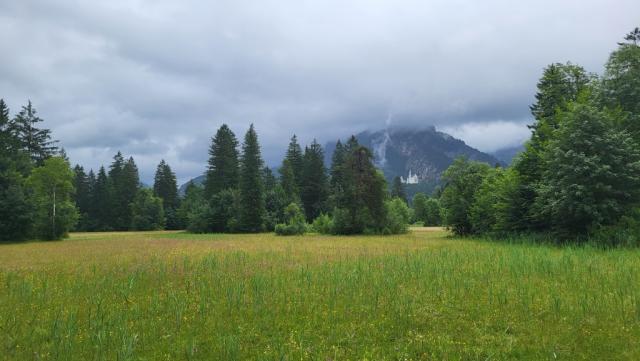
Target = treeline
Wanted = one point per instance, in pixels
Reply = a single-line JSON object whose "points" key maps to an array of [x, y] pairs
{"points": [[36, 183], [579, 176], [115, 200], [240, 194]]}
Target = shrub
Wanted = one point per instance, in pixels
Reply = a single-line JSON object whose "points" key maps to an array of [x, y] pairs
{"points": [[295, 222], [323, 224], [398, 216]]}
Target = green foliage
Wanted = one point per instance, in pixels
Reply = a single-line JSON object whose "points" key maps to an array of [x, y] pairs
{"points": [[621, 83], [295, 222], [295, 159], [223, 171], [288, 182], [398, 216], [165, 187], [397, 189], [426, 210], [223, 211], [252, 203], [123, 183], [52, 189], [16, 208], [462, 180], [314, 191], [34, 141], [323, 224], [147, 211], [592, 173], [359, 192]]}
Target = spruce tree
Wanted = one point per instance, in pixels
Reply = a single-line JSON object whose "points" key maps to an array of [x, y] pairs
{"points": [[82, 197], [222, 172], [252, 203], [288, 182], [315, 188], [397, 189], [165, 186], [129, 189], [35, 141], [295, 158], [102, 202]]}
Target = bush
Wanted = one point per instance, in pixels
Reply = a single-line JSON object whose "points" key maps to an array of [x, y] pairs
{"points": [[323, 224], [397, 218], [198, 219], [147, 212], [296, 223]]}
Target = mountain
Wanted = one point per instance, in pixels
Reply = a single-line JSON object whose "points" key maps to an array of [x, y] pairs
{"points": [[426, 152], [199, 180], [506, 155]]}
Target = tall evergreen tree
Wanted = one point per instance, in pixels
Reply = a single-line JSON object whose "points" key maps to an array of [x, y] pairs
{"points": [[223, 167], [124, 182], [295, 158], [288, 182], [397, 189], [102, 202], [621, 82], [165, 186], [315, 188], [35, 141], [252, 203], [360, 193], [82, 198]]}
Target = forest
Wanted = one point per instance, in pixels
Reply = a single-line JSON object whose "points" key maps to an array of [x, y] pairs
{"points": [[578, 178]]}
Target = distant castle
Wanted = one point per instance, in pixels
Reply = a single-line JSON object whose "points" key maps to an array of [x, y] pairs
{"points": [[411, 179]]}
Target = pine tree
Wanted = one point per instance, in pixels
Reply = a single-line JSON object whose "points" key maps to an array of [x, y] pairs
{"points": [[36, 142], [102, 202], [288, 182], [165, 186], [315, 188], [82, 197], [129, 189], [360, 193], [397, 189], [252, 203], [223, 162], [295, 158]]}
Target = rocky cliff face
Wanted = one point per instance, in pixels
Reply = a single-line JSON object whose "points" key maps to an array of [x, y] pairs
{"points": [[425, 152]]}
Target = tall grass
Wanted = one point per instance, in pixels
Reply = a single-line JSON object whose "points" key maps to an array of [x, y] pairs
{"points": [[314, 298]]}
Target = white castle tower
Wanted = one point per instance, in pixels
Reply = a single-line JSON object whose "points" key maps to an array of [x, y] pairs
{"points": [[411, 179]]}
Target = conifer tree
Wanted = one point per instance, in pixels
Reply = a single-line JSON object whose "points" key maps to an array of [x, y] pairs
{"points": [[165, 186], [223, 167], [315, 188], [82, 197], [288, 182], [102, 202], [295, 158], [36, 142], [397, 189], [252, 203]]}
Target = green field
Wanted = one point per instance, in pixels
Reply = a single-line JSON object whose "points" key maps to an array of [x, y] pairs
{"points": [[424, 295]]}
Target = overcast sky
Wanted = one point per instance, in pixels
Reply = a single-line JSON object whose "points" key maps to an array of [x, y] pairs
{"points": [[155, 79]]}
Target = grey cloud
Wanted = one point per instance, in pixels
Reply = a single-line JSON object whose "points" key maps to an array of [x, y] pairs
{"points": [[156, 78]]}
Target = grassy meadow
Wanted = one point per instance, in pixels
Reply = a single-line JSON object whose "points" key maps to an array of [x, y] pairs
{"points": [[420, 296]]}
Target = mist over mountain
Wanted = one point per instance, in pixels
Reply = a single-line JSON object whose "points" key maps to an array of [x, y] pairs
{"points": [[425, 152]]}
